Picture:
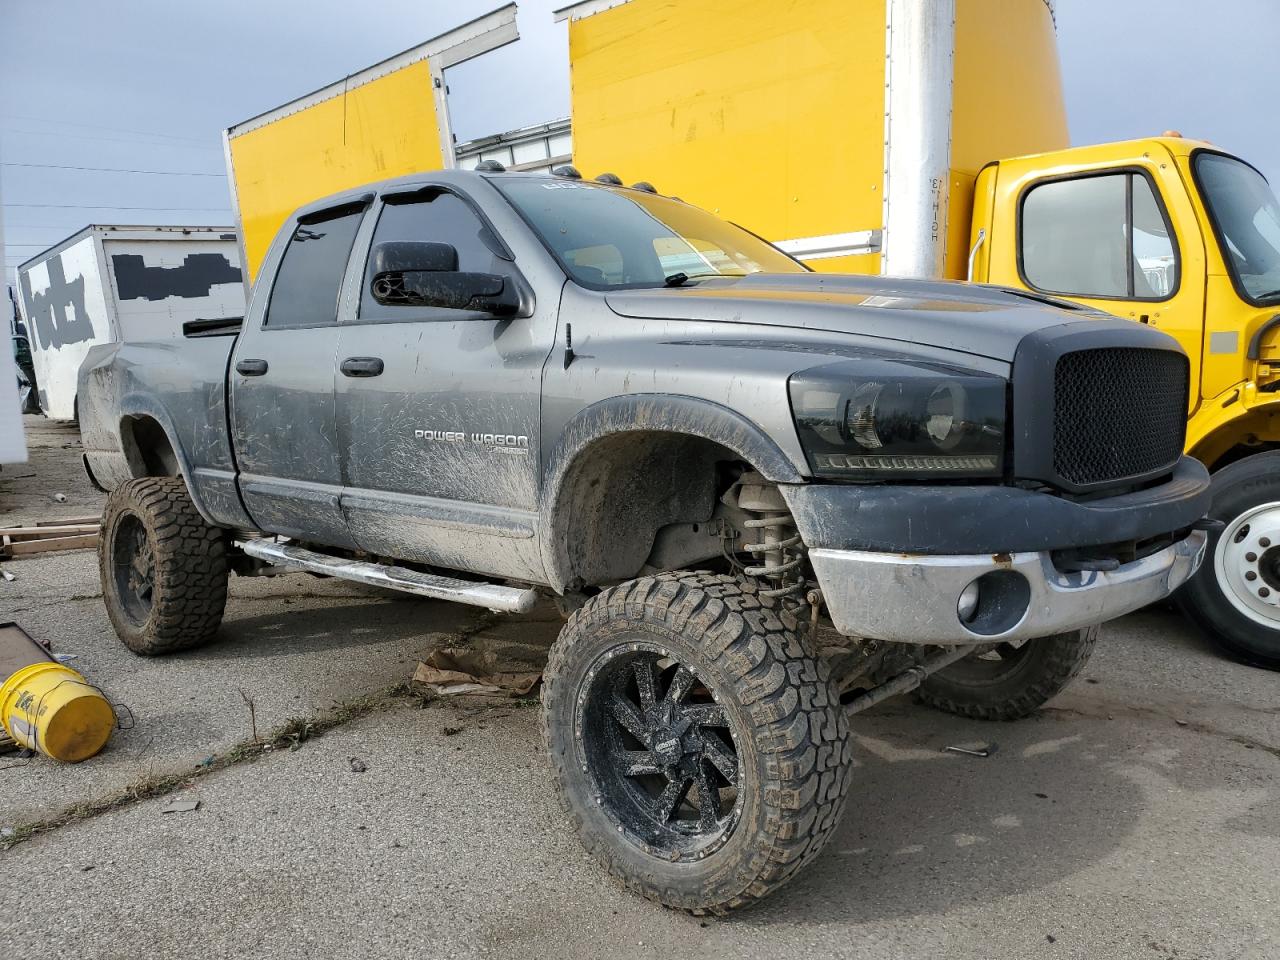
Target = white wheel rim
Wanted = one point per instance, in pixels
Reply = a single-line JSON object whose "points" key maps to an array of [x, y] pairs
{"points": [[1247, 564]]}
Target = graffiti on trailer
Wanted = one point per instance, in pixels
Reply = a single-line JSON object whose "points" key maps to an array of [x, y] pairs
{"points": [[57, 314], [199, 273]]}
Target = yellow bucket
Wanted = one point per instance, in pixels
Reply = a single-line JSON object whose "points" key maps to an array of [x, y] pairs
{"points": [[53, 709]]}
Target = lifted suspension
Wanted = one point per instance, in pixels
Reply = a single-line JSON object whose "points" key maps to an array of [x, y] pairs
{"points": [[908, 680], [779, 548]]}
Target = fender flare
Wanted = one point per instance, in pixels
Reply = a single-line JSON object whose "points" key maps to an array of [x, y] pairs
{"points": [[142, 405], [650, 413]]}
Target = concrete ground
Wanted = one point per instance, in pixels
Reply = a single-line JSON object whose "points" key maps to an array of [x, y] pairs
{"points": [[1138, 816]]}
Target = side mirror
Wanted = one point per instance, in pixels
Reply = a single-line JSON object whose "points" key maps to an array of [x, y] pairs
{"points": [[397, 256], [413, 273]]}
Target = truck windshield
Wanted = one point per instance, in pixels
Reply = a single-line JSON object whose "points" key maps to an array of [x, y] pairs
{"points": [[612, 237], [1247, 219]]}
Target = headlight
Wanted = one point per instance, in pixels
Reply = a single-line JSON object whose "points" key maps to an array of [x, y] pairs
{"points": [[885, 420]]}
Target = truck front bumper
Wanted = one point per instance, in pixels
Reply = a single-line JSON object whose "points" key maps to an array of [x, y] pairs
{"points": [[895, 561], [917, 599]]}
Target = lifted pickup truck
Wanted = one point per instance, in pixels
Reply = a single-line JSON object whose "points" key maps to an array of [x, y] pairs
{"points": [[487, 386]]}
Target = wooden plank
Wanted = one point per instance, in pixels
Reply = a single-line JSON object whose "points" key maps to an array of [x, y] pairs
{"points": [[27, 547], [34, 533], [68, 522]]}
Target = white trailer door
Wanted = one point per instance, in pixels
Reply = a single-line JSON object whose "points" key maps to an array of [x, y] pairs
{"points": [[158, 285], [66, 308]]}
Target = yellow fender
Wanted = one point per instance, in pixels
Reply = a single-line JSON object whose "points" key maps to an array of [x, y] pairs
{"points": [[1238, 415]]}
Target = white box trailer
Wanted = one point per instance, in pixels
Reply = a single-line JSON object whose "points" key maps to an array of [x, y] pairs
{"points": [[121, 283]]}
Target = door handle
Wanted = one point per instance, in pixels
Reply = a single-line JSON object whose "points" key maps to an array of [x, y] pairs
{"points": [[361, 367], [251, 368]]}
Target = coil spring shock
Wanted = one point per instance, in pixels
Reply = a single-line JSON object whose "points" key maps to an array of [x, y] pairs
{"points": [[779, 548], [782, 553]]}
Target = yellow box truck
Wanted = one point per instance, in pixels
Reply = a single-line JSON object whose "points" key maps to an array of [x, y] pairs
{"points": [[385, 121], [927, 138]]}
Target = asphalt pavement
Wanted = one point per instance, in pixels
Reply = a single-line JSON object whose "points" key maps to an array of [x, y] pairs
{"points": [[1137, 816]]}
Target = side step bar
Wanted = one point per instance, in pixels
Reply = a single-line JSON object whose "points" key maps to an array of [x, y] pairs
{"points": [[491, 595]]}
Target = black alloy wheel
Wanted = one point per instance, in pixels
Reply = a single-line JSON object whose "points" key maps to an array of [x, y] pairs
{"points": [[661, 752]]}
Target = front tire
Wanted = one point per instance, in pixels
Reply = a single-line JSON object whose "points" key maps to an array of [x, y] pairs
{"points": [[1008, 682], [1235, 596], [163, 569], [696, 741]]}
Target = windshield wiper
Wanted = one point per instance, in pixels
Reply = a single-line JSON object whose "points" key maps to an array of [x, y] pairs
{"points": [[680, 279], [1266, 296]]}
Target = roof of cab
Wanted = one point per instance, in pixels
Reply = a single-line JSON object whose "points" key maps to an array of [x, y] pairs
{"points": [[409, 182]]}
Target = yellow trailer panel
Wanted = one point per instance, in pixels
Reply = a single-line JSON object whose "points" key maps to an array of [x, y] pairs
{"points": [[778, 115], [388, 120], [732, 106]]}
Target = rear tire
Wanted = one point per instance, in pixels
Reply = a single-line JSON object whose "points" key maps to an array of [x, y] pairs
{"points": [[696, 741], [163, 568], [1009, 683], [1226, 598]]}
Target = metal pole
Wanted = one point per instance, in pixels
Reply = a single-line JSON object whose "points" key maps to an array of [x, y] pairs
{"points": [[4, 264], [13, 445], [919, 53]]}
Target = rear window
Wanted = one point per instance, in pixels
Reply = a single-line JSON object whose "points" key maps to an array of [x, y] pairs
{"points": [[309, 280]]}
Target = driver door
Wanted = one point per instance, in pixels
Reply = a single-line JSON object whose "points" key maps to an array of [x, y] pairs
{"points": [[437, 410]]}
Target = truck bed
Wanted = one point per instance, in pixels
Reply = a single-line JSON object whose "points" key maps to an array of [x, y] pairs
{"points": [[191, 375]]}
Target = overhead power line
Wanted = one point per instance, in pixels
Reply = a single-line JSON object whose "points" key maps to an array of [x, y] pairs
{"points": [[100, 126], [154, 173], [63, 135], [107, 206]]}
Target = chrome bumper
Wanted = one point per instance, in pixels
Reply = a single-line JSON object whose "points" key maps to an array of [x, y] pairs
{"points": [[914, 598]]}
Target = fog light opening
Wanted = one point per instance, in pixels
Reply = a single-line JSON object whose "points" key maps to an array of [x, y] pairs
{"points": [[967, 605], [995, 603]]}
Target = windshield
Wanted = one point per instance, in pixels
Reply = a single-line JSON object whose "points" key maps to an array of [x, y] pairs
{"points": [[609, 237], [1247, 219]]}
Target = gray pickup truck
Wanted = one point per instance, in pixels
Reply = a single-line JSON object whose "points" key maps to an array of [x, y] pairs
{"points": [[489, 387]]}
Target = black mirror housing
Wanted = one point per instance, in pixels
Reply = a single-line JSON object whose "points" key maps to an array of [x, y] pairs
{"points": [[423, 273], [397, 256], [482, 292]]}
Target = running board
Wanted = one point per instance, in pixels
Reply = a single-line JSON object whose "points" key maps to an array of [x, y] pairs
{"points": [[498, 598]]}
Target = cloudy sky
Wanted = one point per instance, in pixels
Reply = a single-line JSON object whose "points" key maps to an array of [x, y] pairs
{"points": [[148, 85]]}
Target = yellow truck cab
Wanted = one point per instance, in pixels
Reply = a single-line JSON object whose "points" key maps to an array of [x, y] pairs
{"points": [[1176, 234]]}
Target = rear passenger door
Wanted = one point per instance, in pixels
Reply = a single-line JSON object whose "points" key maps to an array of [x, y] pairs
{"points": [[441, 442], [282, 401]]}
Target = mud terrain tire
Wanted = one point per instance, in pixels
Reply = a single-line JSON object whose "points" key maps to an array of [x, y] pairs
{"points": [[1013, 686], [745, 672], [163, 569]]}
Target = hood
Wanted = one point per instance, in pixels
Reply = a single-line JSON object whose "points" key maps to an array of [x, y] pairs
{"points": [[980, 320]]}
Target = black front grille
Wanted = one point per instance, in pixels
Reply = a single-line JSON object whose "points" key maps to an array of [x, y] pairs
{"points": [[1119, 413]]}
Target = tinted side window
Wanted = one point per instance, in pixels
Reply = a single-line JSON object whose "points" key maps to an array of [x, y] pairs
{"points": [[310, 275], [1102, 236], [444, 218]]}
